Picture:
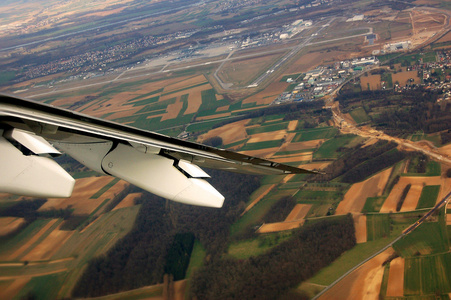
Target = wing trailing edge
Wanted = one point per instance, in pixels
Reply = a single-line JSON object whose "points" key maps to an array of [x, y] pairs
{"points": [[157, 163]]}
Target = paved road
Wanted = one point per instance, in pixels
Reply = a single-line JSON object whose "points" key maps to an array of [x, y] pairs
{"points": [[406, 232]]}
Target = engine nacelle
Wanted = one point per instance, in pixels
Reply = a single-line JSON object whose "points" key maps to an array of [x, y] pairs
{"points": [[31, 175], [176, 180], [162, 176]]}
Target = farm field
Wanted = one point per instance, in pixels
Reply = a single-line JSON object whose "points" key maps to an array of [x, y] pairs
{"points": [[363, 283], [354, 199]]}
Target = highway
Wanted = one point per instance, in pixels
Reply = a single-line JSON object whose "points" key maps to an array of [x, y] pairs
{"points": [[402, 235]]}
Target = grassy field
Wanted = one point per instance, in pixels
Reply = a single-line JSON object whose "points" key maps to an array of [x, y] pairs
{"points": [[429, 238], [254, 247], [329, 149], [197, 258], [267, 128], [9, 246], [262, 145], [315, 134], [348, 260], [359, 115], [428, 275], [373, 204], [433, 168], [428, 196], [378, 226]]}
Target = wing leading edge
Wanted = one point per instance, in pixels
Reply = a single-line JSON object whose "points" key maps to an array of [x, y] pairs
{"points": [[163, 165]]}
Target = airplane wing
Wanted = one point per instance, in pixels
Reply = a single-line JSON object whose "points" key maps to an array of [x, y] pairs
{"points": [[166, 166]]}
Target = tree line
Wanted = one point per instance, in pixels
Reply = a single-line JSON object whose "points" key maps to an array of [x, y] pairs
{"points": [[271, 275], [358, 163]]}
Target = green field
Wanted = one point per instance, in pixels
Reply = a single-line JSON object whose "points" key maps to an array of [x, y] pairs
{"points": [[348, 260], [254, 247], [428, 275], [315, 134], [428, 196], [197, 258], [267, 128], [329, 149], [373, 204], [10, 245], [433, 168], [428, 238], [262, 145], [378, 226], [105, 188], [359, 115]]}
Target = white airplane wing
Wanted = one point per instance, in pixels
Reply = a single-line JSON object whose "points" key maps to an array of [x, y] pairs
{"points": [[166, 166]]}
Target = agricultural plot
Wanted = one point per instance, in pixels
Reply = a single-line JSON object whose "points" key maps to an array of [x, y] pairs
{"points": [[315, 134], [373, 204], [428, 196], [9, 249], [378, 226], [359, 115], [355, 198], [363, 283], [329, 149], [429, 238], [268, 128], [89, 193], [395, 284], [370, 82], [428, 275]]}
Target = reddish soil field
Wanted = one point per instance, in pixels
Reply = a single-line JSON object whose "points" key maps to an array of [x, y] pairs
{"points": [[268, 136], [9, 224], [128, 201], [411, 201], [360, 228], [229, 133], [292, 125], [269, 94], [49, 246], [355, 198], [299, 212], [373, 81], [301, 145], [31, 241], [364, 283], [392, 199], [258, 198], [395, 286], [403, 77], [282, 226], [263, 153]]}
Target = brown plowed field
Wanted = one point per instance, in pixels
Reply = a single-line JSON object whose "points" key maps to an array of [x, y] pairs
{"points": [[45, 249], [9, 224], [411, 201], [403, 77], [128, 201], [258, 198], [363, 283], [302, 145], [262, 153], [172, 110], [360, 228], [299, 212], [281, 226], [12, 289], [355, 198], [416, 182], [268, 136], [269, 94], [395, 286], [373, 81], [292, 125], [300, 157], [229, 133], [32, 240]]}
